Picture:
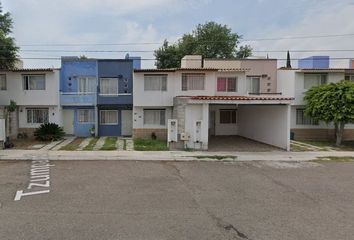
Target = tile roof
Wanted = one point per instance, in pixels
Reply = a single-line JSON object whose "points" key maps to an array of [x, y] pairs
{"points": [[30, 70], [245, 98], [191, 69], [317, 69]]}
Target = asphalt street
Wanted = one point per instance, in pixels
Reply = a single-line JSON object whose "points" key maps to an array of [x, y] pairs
{"points": [[118, 200]]}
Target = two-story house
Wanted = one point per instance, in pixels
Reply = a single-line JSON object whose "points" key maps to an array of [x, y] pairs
{"points": [[36, 93], [294, 82], [96, 96], [203, 99]]}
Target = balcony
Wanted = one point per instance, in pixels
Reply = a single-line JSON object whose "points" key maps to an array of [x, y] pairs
{"points": [[77, 99]]}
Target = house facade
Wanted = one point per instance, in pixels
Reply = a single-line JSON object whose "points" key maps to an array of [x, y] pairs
{"points": [[294, 82], [96, 96], [188, 106], [36, 93]]}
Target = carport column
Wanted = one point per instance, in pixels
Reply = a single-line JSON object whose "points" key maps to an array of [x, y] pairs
{"points": [[205, 126], [288, 126]]}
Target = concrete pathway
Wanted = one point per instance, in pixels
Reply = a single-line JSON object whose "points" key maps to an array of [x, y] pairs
{"points": [[120, 144], [50, 145], [63, 143], [84, 143], [129, 144], [166, 155], [99, 143]]}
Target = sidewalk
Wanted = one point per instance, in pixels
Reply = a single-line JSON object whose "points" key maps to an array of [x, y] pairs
{"points": [[165, 155]]}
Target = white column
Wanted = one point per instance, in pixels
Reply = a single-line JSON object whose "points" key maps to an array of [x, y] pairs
{"points": [[205, 126]]}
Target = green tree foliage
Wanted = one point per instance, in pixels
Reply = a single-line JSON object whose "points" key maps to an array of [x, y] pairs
{"points": [[211, 40], [49, 132], [332, 102], [8, 48]]}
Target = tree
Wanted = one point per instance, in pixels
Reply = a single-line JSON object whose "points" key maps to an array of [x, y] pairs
{"points": [[9, 110], [8, 48], [332, 102], [288, 61], [211, 40]]}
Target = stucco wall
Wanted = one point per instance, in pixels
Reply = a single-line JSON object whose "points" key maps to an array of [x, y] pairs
{"points": [[269, 124], [223, 129], [54, 114]]}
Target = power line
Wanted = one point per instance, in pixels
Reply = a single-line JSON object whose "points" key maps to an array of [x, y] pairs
{"points": [[159, 43]]}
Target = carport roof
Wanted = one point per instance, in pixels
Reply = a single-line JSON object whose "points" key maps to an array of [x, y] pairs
{"points": [[245, 98]]}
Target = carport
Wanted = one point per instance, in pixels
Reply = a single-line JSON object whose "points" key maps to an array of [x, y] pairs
{"points": [[263, 119]]}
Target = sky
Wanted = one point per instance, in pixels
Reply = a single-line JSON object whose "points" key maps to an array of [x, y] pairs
{"points": [[38, 24]]}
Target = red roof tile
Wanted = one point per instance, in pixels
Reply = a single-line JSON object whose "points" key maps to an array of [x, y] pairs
{"points": [[245, 98], [191, 69]]}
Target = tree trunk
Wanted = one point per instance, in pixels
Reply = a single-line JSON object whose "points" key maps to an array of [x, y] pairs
{"points": [[335, 130], [340, 131]]}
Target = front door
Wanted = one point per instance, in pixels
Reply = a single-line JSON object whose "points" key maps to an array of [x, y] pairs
{"points": [[127, 121], [68, 121]]}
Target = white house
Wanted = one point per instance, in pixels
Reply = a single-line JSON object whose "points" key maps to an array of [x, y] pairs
{"points": [[191, 104], [294, 82], [36, 93]]}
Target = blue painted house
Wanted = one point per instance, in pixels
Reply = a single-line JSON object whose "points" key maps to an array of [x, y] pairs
{"points": [[96, 96], [314, 62], [114, 97]]}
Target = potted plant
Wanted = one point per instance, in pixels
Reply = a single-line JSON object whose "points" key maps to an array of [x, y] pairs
{"points": [[92, 131]]}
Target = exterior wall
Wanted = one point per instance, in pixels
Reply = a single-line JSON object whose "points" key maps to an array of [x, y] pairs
{"points": [[141, 130], [269, 124], [15, 91], [218, 63], [223, 129], [54, 114], [320, 134], [191, 61], [81, 129], [286, 82], [123, 70], [197, 112], [314, 62]]}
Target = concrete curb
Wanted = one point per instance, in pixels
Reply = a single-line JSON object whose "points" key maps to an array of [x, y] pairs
{"points": [[165, 155]]}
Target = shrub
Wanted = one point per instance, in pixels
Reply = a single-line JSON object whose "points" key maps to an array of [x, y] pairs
{"points": [[49, 132]]}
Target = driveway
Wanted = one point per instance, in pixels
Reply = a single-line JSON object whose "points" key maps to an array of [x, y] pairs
{"points": [[192, 200]]}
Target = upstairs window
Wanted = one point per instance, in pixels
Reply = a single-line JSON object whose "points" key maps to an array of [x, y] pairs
{"points": [[155, 117], [302, 119], [155, 82], [312, 80], [37, 115], [227, 84], [87, 85], [193, 81], [34, 82], [3, 85], [228, 116], [109, 86], [86, 115], [253, 84]]}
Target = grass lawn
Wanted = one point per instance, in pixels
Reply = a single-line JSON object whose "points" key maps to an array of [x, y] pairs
{"points": [[73, 145], [149, 145], [109, 144], [346, 145], [91, 144], [334, 159]]}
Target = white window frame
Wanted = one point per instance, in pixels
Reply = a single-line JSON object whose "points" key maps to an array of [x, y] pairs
{"points": [[87, 83], [160, 78], [3, 82], [304, 120], [90, 116], [228, 110], [187, 83], [116, 88], [26, 81], [321, 79], [32, 111], [160, 112], [250, 84], [111, 123], [227, 83]]}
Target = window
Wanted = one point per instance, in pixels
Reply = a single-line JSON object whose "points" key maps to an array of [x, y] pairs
{"points": [[155, 117], [311, 80], [33, 82], [109, 86], [228, 116], [109, 117], [253, 84], [3, 82], [86, 116], [193, 81], [37, 115], [87, 85], [227, 84], [302, 119], [155, 82], [349, 77]]}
